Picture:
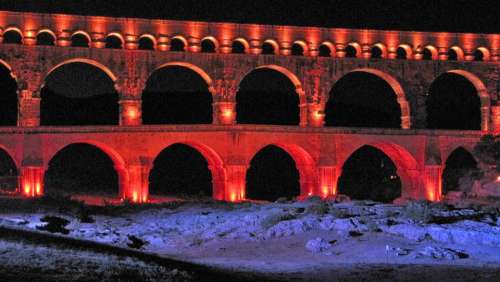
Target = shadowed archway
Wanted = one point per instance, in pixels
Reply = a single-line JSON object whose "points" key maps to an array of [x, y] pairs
{"points": [[459, 172], [369, 174], [9, 175], [267, 96], [176, 94], [79, 93], [8, 97], [272, 174]]}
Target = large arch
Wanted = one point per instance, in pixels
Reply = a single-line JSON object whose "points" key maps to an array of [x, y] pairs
{"points": [[482, 94], [79, 92], [178, 93], [291, 113], [213, 161], [304, 164], [102, 167], [406, 165], [396, 88], [9, 173], [8, 96]]}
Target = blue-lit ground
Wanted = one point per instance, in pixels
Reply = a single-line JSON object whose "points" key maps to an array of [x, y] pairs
{"points": [[294, 240]]}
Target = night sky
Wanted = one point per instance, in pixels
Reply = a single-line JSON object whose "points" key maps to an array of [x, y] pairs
{"points": [[272, 172]]}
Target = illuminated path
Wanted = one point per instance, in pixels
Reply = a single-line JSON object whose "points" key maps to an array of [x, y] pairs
{"points": [[408, 62]]}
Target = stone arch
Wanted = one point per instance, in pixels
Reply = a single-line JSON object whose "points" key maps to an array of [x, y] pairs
{"points": [[273, 43], [356, 47], [215, 165], [305, 164], [84, 33], [48, 31], [7, 66], [330, 46], [182, 39], [482, 93], [213, 40], [406, 165], [407, 49], [243, 42], [303, 45], [117, 159], [203, 74], [398, 90], [485, 52], [452, 173], [433, 51], [9, 152], [117, 35], [382, 48], [290, 75], [459, 52], [85, 61], [150, 37], [9, 178]]}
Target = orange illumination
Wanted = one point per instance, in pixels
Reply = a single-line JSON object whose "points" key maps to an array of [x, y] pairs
{"points": [[27, 189], [232, 198], [132, 113], [498, 178], [37, 188], [135, 197]]}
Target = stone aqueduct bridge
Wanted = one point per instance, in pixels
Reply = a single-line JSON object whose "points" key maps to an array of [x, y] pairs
{"points": [[319, 152]]}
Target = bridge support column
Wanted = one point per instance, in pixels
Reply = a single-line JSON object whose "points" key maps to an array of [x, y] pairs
{"points": [[327, 181], [235, 182], [29, 109], [218, 182], [432, 182], [130, 112], [316, 115], [308, 180], [485, 119], [495, 119], [224, 113], [31, 180], [137, 189]]}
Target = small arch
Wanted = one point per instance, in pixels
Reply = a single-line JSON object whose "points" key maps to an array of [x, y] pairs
{"points": [[147, 42], [404, 52], [194, 68], [178, 44], [326, 49], [209, 45], [353, 50], [293, 78], [12, 35], [430, 53], [481, 54], [378, 51], [299, 48], [80, 39], [459, 171], [114, 40], [240, 46], [270, 47], [45, 37], [85, 61], [455, 53]]}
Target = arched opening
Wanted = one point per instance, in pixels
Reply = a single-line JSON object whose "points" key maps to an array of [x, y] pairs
{"points": [[459, 172], [427, 54], [177, 45], [180, 170], [8, 97], [272, 174], [401, 53], [45, 38], [208, 46], [12, 36], [267, 96], [297, 49], [78, 93], [176, 95], [452, 55], [238, 47], [453, 103], [376, 52], [9, 175], [363, 99], [82, 170], [146, 43], [114, 42], [478, 55], [80, 40], [350, 51], [369, 174], [325, 50], [268, 48]]}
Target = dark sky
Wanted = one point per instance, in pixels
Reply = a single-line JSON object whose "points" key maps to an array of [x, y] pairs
{"points": [[479, 16]]}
